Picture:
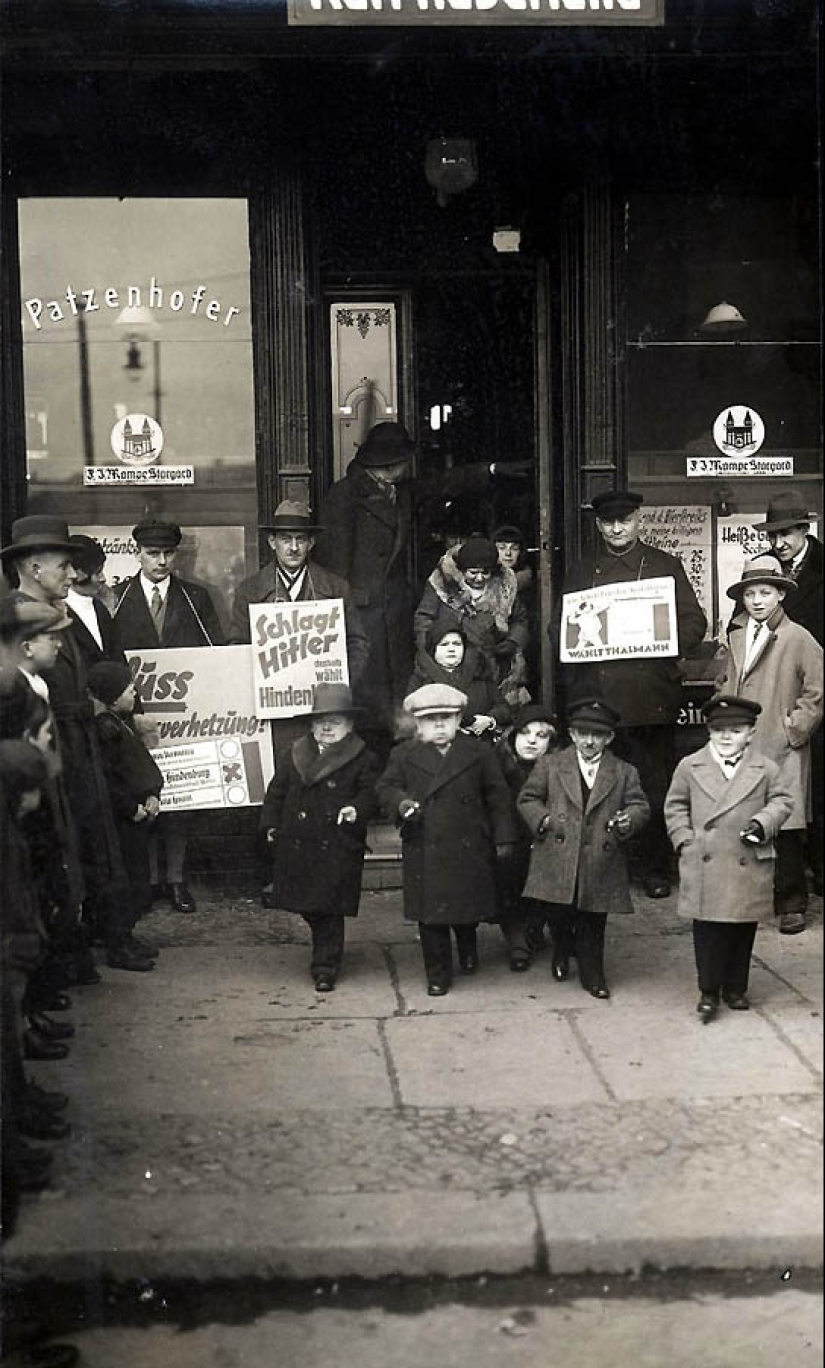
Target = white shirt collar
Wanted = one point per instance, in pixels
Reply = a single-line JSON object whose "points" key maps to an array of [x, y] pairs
{"points": [[727, 769], [84, 608], [37, 682], [294, 583], [797, 560], [589, 769], [148, 586]]}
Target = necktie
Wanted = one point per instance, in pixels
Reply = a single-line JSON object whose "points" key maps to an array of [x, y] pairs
{"points": [[157, 603]]}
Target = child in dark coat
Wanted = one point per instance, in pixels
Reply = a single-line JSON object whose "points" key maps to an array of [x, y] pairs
{"points": [[523, 919], [448, 658], [457, 817], [135, 782], [582, 805], [723, 811], [315, 817]]}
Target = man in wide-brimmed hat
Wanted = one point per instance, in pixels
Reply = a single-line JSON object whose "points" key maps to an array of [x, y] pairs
{"points": [[646, 691], [367, 519], [777, 663]]}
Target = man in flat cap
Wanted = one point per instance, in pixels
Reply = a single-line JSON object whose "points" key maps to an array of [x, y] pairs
{"points": [[156, 608], [647, 692], [787, 526]]}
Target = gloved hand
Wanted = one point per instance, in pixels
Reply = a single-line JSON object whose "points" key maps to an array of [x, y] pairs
{"points": [[753, 833], [409, 810], [271, 836], [347, 814]]}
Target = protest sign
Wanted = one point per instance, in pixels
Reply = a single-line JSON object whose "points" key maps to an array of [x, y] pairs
{"points": [[294, 647], [684, 530], [620, 621], [212, 749]]}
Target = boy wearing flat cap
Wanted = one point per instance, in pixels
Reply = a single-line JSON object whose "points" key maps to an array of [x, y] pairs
{"points": [[315, 817], [582, 805], [646, 691], [724, 810], [451, 801], [777, 663]]}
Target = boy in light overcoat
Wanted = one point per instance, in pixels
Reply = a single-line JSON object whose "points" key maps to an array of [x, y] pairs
{"points": [[582, 805], [724, 808]]}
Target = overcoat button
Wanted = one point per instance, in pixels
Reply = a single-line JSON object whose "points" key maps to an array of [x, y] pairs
{"points": [[742, 860], [606, 845], [559, 835], [330, 783], [302, 816], [706, 859]]}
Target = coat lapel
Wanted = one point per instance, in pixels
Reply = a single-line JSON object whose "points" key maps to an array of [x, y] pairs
{"points": [[724, 793], [570, 776], [134, 607], [84, 637], [607, 776], [314, 766]]}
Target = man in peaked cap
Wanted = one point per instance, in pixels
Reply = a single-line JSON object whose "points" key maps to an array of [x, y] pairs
{"points": [[646, 692], [787, 526], [157, 608]]}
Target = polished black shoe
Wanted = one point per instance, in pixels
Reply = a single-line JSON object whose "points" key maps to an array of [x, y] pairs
{"points": [[324, 984], [125, 958], [519, 961], [560, 967], [437, 990], [737, 1002], [792, 923], [599, 990], [50, 1030], [656, 887], [181, 898], [468, 963], [707, 1007], [36, 1047], [44, 1100], [42, 1125]]}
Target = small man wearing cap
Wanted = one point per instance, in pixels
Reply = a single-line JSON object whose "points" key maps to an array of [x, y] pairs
{"points": [[787, 526], [777, 663], [582, 805], [724, 810], [315, 817], [157, 608], [647, 692], [452, 803], [368, 517]]}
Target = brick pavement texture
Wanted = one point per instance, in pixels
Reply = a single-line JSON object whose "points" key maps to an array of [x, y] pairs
{"points": [[229, 1120]]}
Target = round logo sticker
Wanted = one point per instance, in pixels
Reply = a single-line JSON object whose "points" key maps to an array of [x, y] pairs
{"points": [[137, 439], [738, 431]]}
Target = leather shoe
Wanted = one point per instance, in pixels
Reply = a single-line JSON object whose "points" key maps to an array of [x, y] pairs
{"points": [[656, 887], [560, 967], [125, 958], [519, 961], [323, 984], [181, 898], [737, 1002], [791, 923], [50, 1030], [437, 990], [35, 1046], [707, 1007], [39, 1125], [599, 990]]}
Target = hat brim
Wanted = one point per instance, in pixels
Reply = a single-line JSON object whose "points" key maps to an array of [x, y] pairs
{"points": [[28, 548], [783, 524], [351, 711], [290, 527], [780, 581], [431, 712]]}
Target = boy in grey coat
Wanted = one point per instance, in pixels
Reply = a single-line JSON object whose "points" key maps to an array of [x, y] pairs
{"points": [[723, 810]]}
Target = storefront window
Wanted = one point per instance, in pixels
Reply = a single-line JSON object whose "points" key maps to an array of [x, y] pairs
{"points": [[138, 373]]}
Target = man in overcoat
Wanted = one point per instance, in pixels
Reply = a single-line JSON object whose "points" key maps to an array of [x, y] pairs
{"points": [[787, 526], [156, 608], [646, 692], [779, 666]]}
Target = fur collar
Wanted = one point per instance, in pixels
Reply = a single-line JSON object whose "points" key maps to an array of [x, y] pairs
{"points": [[497, 599], [313, 765]]}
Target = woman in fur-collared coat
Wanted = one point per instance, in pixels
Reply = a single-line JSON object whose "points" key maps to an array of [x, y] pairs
{"points": [[315, 817]]}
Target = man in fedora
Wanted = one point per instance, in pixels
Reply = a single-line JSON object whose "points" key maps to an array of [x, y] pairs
{"points": [[367, 519], [157, 608], [39, 560], [787, 526], [646, 692], [292, 575]]}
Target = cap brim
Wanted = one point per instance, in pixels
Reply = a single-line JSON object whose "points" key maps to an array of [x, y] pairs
{"points": [[735, 590]]}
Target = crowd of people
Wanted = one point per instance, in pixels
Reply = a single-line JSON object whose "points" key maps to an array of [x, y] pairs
{"points": [[510, 811]]}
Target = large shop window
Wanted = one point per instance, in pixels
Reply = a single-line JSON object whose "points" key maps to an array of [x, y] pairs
{"points": [[138, 374]]}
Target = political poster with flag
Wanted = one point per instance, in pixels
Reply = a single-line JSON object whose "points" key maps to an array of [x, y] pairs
{"points": [[211, 748], [631, 619]]}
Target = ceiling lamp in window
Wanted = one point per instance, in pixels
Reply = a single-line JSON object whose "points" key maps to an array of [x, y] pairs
{"points": [[723, 320]]}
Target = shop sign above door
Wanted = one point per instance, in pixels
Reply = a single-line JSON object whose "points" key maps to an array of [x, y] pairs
{"points": [[438, 13], [738, 434]]}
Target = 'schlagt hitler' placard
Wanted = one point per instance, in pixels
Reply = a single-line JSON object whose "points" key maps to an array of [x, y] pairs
{"points": [[294, 647]]}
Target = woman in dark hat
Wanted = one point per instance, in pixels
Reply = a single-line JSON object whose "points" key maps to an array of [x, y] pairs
{"points": [[470, 588], [777, 663], [315, 817]]}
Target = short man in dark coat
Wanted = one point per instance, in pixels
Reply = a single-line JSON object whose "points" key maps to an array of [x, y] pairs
{"points": [[787, 526], [647, 693], [158, 609]]}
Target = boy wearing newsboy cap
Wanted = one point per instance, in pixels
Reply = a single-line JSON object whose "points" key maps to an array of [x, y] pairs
{"points": [[723, 810]]}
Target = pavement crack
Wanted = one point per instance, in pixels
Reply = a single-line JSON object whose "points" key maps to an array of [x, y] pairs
{"points": [[392, 1072], [584, 1046], [763, 964], [789, 1043], [401, 1008]]}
